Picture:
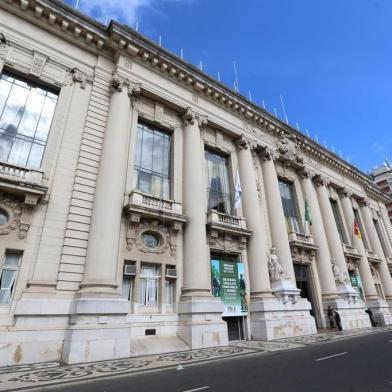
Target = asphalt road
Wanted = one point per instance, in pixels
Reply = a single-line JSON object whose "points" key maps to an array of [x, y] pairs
{"points": [[356, 364]]}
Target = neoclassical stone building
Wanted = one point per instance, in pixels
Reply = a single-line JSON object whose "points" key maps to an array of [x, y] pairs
{"points": [[146, 207]]}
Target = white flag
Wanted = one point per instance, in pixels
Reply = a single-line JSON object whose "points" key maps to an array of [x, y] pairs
{"points": [[237, 191]]}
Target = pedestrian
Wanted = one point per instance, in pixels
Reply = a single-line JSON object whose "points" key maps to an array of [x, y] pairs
{"points": [[338, 320], [370, 313], [330, 317]]}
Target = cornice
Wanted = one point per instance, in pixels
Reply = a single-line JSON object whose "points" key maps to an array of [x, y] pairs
{"points": [[63, 20]]}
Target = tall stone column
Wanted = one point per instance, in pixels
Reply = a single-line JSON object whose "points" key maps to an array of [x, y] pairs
{"points": [[201, 323], [277, 221], [327, 280], [99, 298], [196, 263], [257, 248], [385, 276], [334, 242], [364, 268], [102, 252]]}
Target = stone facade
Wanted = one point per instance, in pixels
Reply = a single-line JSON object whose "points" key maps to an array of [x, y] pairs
{"points": [[100, 263]]}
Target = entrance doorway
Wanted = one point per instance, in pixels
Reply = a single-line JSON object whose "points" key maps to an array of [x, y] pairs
{"points": [[302, 279], [235, 327]]}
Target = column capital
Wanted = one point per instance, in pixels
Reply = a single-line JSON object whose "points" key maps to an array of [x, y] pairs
{"points": [[267, 153], [321, 180], [190, 117], [345, 192], [244, 143], [305, 172], [363, 202], [118, 82]]}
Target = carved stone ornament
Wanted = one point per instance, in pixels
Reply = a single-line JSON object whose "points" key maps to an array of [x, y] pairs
{"points": [[320, 180], [288, 147], [344, 192], [38, 64], [13, 209], [226, 242], [340, 276], [119, 82], [190, 117], [80, 77], [167, 237], [275, 269]]}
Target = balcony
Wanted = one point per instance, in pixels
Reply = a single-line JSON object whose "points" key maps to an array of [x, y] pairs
{"points": [[351, 252], [227, 223], [373, 257], [141, 204], [305, 241], [22, 181]]}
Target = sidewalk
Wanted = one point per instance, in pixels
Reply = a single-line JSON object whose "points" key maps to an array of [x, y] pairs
{"points": [[39, 376]]}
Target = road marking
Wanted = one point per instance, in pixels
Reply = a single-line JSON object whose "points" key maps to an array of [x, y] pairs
{"points": [[331, 356], [197, 389]]}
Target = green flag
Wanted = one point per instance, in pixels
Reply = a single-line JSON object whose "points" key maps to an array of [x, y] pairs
{"points": [[308, 215]]}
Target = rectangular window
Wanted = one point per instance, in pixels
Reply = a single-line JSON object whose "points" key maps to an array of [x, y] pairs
{"points": [[8, 274], [218, 186], [128, 280], [290, 206], [338, 220], [152, 161], [26, 113], [149, 284], [381, 237]]}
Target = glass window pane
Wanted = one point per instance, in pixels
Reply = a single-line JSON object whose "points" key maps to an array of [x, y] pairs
{"points": [[31, 115], [158, 154], [12, 259], [156, 187], [36, 154], [145, 182], [143, 288], [5, 88], [166, 156], [5, 146], [46, 119], [152, 291], [146, 161], [25, 117], [14, 109], [19, 152], [6, 285]]}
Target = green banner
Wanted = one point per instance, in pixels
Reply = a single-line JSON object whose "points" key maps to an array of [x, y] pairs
{"points": [[228, 283]]}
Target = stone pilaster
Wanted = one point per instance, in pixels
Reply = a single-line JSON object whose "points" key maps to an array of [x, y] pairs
{"points": [[201, 323]]}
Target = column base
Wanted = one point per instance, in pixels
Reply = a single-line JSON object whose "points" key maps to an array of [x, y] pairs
{"points": [[201, 323], [271, 318], [381, 310], [352, 313]]}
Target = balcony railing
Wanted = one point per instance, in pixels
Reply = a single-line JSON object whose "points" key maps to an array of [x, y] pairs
{"points": [[301, 238], [146, 205], [372, 256], [227, 223], [19, 173], [19, 180], [351, 251]]}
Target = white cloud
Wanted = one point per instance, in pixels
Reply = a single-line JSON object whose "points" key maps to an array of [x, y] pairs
{"points": [[123, 11]]}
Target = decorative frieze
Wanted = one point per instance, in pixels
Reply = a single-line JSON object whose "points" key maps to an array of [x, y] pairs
{"points": [[38, 63]]}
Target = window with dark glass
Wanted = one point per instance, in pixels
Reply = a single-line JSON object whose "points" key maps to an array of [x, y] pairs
{"points": [[338, 220], [26, 113], [152, 161], [290, 206], [381, 237], [218, 186]]}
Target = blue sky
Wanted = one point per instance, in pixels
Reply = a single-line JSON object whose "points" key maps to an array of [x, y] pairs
{"points": [[331, 60]]}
